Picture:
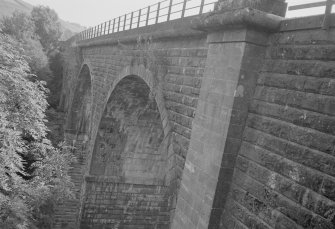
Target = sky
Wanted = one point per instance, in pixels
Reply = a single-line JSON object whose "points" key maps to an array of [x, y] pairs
{"points": [[93, 12]]}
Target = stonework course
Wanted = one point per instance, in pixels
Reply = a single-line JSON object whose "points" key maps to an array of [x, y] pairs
{"points": [[220, 121]]}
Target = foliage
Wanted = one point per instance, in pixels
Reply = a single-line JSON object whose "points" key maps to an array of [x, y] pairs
{"points": [[24, 28], [55, 84], [21, 27], [32, 171], [47, 27]]}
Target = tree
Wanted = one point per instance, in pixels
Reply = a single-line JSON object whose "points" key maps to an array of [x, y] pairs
{"points": [[55, 84], [21, 27], [47, 27], [32, 171]]}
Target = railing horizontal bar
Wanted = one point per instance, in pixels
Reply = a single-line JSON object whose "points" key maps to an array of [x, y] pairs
{"points": [[157, 3], [211, 3], [160, 16], [192, 8], [179, 3], [174, 12], [307, 6], [166, 7]]}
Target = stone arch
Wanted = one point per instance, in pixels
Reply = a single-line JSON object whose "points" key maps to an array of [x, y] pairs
{"points": [[129, 157], [155, 87], [79, 116], [131, 124]]}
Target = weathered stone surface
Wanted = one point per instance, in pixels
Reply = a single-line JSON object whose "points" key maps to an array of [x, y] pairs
{"points": [[284, 174], [230, 129]]}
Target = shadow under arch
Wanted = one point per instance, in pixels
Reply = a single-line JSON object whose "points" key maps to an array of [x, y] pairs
{"points": [[129, 158], [78, 120], [155, 89], [77, 131]]}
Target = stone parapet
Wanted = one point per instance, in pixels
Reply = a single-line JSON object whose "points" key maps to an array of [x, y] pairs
{"points": [[238, 17]]}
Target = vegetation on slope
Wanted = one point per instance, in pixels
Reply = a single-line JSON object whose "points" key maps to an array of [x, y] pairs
{"points": [[33, 172], [8, 7]]}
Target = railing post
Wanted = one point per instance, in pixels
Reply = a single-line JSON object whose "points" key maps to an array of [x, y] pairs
{"points": [[184, 7], [101, 31], [118, 24], [148, 15], [109, 26], [139, 18], [326, 20], [131, 20], [124, 23], [169, 12], [202, 6], [113, 25], [157, 15], [105, 28]]}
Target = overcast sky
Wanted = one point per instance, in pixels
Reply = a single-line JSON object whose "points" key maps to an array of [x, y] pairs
{"points": [[93, 12]]}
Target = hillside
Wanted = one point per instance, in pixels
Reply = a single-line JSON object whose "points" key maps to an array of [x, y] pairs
{"points": [[7, 7]]}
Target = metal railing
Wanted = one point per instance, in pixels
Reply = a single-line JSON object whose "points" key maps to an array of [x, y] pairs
{"points": [[313, 5], [163, 11], [310, 5], [168, 10]]}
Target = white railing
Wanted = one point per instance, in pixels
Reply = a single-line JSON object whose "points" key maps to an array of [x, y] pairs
{"points": [[168, 10], [163, 11]]}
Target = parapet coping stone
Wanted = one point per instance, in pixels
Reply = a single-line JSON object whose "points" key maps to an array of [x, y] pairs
{"points": [[175, 29], [243, 17]]}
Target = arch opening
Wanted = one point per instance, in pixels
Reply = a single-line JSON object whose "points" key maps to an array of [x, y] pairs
{"points": [[129, 161], [77, 128], [78, 121], [129, 144]]}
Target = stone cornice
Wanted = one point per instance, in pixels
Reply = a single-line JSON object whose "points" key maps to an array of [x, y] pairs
{"points": [[236, 18], [166, 30]]}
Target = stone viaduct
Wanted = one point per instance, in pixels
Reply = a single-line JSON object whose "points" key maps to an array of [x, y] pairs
{"points": [[224, 120]]}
